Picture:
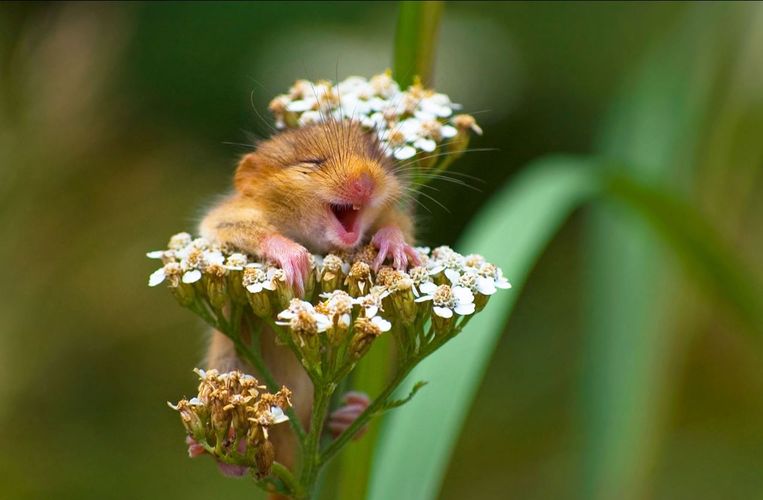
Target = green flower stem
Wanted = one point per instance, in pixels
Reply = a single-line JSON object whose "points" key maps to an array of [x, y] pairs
{"points": [[379, 403], [376, 406], [285, 475], [311, 459]]}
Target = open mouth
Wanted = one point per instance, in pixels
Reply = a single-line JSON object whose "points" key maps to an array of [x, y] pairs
{"points": [[347, 215]]}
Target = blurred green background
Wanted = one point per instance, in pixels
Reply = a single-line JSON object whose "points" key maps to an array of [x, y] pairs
{"points": [[620, 374]]}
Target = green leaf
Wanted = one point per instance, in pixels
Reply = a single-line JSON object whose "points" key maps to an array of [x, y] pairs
{"points": [[396, 403], [637, 297], [511, 231]]}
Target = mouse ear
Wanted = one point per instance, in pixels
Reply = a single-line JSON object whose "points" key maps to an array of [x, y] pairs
{"points": [[248, 172]]}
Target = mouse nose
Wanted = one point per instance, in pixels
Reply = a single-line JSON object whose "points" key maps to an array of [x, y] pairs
{"points": [[362, 187]]}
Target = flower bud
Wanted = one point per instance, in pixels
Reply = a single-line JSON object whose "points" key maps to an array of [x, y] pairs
{"points": [[366, 331], [331, 273], [283, 292], [359, 280], [465, 124], [403, 299], [263, 459], [215, 285]]}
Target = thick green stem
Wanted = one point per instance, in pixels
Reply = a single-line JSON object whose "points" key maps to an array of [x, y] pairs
{"points": [[415, 37], [311, 459]]}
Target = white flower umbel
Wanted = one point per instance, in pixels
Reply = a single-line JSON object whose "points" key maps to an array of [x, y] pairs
{"points": [[447, 300], [407, 122]]}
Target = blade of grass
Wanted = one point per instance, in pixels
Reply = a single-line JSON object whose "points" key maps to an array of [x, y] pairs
{"points": [[417, 26], [511, 231], [636, 299]]}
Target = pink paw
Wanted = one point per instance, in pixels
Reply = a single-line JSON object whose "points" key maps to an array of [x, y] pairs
{"points": [[292, 257], [355, 404], [390, 243]]}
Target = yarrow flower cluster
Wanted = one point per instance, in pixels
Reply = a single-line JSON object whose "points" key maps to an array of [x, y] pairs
{"points": [[341, 288], [346, 306], [407, 122], [230, 417]]}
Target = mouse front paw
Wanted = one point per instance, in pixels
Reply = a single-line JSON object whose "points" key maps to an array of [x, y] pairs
{"points": [[290, 256], [391, 243], [355, 403]]}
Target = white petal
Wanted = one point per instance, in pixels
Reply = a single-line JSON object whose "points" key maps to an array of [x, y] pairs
{"points": [[192, 276], [464, 309], [448, 131], [405, 152], [278, 415], [254, 288], [156, 254], [381, 323], [427, 145], [344, 320], [156, 277], [502, 282], [371, 311], [452, 275], [485, 286], [428, 287], [436, 269], [300, 105], [323, 323], [443, 312], [424, 298], [463, 295]]}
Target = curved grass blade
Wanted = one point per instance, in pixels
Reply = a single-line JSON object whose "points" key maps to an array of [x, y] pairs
{"points": [[511, 231]]}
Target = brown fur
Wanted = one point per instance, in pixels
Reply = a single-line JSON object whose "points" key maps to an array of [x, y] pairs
{"points": [[283, 188]]}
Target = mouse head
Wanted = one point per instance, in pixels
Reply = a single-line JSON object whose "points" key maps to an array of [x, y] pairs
{"points": [[322, 185]]}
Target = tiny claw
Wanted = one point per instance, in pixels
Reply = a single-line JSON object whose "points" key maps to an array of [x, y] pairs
{"points": [[390, 242], [291, 257]]}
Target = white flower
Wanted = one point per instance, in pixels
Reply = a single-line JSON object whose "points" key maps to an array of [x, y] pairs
{"points": [[338, 306], [447, 300], [372, 302], [446, 259], [179, 241], [437, 104], [255, 279], [492, 277], [422, 282], [236, 261], [297, 308], [171, 271]]}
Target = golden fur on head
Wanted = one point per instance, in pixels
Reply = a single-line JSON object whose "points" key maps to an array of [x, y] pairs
{"points": [[298, 173]]}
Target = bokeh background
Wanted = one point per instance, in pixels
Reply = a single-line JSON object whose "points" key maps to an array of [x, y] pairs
{"points": [[119, 123]]}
